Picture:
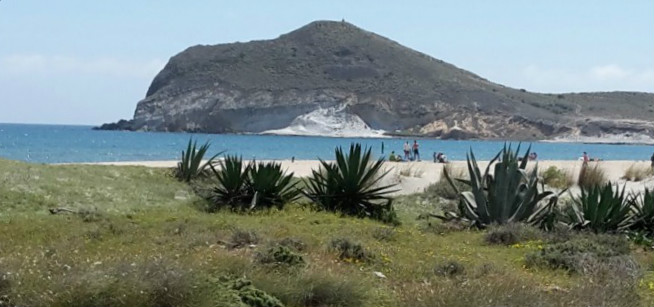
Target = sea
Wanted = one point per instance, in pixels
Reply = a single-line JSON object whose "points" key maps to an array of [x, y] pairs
{"points": [[68, 144]]}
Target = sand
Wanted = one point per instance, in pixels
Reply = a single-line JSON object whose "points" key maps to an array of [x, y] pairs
{"points": [[414, 177]]}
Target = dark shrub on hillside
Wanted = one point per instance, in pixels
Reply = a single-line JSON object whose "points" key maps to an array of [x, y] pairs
{"points": [[586, 255], [317, 289], [250, 295], [384, 234], [293, 243], [449, 268], [242, 238], [510, 234], [154, 284], [279, 255], [348, 250]]}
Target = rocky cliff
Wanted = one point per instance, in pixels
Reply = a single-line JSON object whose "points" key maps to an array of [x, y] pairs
{"points": [[372, 84]]}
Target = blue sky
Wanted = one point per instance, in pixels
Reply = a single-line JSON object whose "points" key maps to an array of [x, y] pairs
{"points": [[89, 62]]}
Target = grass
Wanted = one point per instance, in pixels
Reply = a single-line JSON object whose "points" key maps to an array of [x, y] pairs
{"points": [[147, 247], [635, 173], [590, 176], [411, 171], [557, 178], [442, 188]]}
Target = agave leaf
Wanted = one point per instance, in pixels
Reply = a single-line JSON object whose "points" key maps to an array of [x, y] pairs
{"points": [[511, 194]]}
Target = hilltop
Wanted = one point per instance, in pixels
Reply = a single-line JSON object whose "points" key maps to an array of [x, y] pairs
{"points": [[335, 74]]}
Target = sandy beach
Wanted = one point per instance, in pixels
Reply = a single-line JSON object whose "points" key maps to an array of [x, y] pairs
{"points": [[413, 177]]}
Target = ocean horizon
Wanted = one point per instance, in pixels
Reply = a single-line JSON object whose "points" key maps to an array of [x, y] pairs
{"points": [[45, 143]]}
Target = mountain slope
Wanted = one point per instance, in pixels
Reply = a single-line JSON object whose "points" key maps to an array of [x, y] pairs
{"points": [[266, 85]]}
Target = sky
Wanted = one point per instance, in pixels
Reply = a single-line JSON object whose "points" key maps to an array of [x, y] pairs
{"points": [[90, 62]]}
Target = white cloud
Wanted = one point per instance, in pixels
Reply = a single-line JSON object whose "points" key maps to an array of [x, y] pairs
{"points": [[609, 72], [105, 66], [610, 77]]}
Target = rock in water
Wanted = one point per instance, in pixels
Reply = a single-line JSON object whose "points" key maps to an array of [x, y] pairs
{"points": [[370, 84]]}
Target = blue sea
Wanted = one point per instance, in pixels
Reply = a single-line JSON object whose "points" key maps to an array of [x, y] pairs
{"points": [[61, 143]]}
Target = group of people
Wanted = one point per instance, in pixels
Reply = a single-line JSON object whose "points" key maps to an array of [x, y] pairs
{"points": [[411, 153]]}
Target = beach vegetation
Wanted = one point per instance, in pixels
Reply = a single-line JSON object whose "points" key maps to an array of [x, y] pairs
{"points": [[252, 186], [512, 233], [150, 246], [351, 186], [279, 255], [557, 178], [586, 254], [270, 186], [349, 250], [443, 188], [642, 207], [600, 209], [232, 177], [192, 165], [509, 195], [591, 176], [636, 173], [450, 268], [411, 171]]}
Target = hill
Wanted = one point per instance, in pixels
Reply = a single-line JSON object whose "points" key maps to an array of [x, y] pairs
{"points": [[288, 84]]}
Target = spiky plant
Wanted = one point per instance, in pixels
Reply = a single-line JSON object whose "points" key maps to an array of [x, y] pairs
{"points": [[232, 180], [601, 209], [643, 212], [269, 186], [509, 195], [191, 166], [350, 185]]}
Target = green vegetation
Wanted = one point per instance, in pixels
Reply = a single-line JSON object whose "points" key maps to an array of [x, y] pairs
{"points": [[255, 186], [513, 233], [586, 255], [350, 186], [591, 176], [271, 186], [231, 190], [191, 166], [510, 195], [557, 178], [600, 209], [643, 212], [443, 188], [134, 236]]}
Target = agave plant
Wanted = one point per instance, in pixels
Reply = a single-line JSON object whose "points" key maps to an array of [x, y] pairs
{"points": [[601, 209], [350, 185], [509, 195], [642, 208], [269, 186], [232, 182], [191, 166], [261, 185]]}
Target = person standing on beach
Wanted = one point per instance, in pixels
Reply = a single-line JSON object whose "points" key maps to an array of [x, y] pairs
{"points": [[416, 153], [585, 157], [652, 158], [407, 151]]}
